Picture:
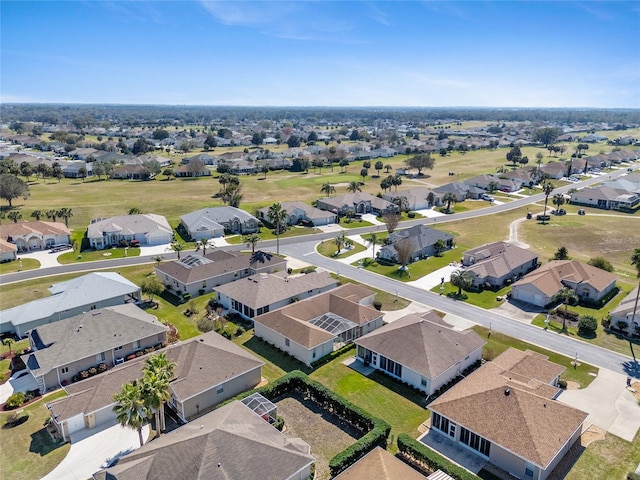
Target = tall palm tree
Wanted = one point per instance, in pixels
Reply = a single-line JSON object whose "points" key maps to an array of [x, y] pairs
{"points": [[130, 408], [635, 261], [565, 295], [65, 213], [203, 244], [158, 371], [328, 189], [547, 188], [373, 239], [277, 216], [461, 279], [354, 187], [252, 240], [340, 241], [14, 215], [558, 200], [37, 214], [177, 246]]}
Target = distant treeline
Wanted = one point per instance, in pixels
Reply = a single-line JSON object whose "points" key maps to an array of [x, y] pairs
{"points": [[86, 116]]}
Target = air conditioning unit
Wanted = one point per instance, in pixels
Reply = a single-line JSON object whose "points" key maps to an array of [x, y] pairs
{"points": [[119, 361]]}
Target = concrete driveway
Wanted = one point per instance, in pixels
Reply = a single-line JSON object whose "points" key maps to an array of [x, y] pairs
{"points": [[608, 403], [91, 449], [21, 381]]}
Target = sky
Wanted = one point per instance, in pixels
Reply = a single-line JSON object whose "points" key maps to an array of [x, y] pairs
{"points": [[424, 53]]}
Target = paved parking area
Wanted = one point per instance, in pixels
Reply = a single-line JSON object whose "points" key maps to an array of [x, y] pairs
{"points": [[608, 403], [91, 449]]}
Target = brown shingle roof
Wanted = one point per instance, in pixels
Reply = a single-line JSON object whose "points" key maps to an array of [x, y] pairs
{"points": [[379, 464], [498, 259], [508, 410], [38, 227], [421, 344]]}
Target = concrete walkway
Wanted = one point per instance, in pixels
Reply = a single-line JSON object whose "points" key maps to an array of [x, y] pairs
{"points": [[608, 403], [21, 381], [434, 279], [449, 449], [45, 257], [92, 449]]}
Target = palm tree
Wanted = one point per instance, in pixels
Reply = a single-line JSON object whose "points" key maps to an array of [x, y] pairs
{"points": [[8, 341], [340, 241], [558, 200], [130, 408], [635, 261], [37, 214], [373, 239], [52, 214], [277, 216], [547, 188], [431, 198], [158, 371], [449, 198], [565, 295], [354, 187], [65, 213], [203, 244], [177, 246], [252, 240], [461, 279], [328, 189]]}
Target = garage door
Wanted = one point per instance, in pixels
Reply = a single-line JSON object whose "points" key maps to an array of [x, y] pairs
{"points": [[75, 423], [525, 296]]}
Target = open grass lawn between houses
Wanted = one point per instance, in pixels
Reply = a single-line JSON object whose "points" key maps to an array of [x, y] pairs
{"points": [[19, 265], [28, 452], [486, 299], [328, 248]]}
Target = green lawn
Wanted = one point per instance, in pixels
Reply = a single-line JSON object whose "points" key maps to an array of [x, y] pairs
{"points": [[267, 234], [355, 224], [329, 248], [486, 299], [95, 255], [418, 269], [19, 265], [611, 458], [497, 343], [384, 398], [28, 452]]}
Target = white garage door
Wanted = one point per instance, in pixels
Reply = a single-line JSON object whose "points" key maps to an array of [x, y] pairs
{"points": [[75, 423], [528, 297]]}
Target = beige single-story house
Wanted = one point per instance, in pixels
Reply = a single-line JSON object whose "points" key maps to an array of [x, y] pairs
{"points": [[506, 413], [624, 312], [422, 239], [298, 212], [197, 274], [60, 351], [421, 350], [146, 229], [8, 251], [264, 292], [231, 442], [36, 235], [209, 370], [591, 284], [379, 464], [312, 328], [359, 202]]}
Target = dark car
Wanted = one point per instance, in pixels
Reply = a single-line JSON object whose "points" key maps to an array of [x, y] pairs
{"points": [[581, 212], [543, 218]]}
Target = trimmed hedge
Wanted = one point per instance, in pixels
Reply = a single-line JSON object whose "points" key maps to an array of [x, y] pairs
{"points": [[419, 453], [333, 355], [375, 430]]}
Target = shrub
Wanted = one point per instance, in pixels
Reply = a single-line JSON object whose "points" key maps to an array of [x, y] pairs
{"points": [[633, 476], [562, 383], [205, 324], [279, 424], [16, 400], [92, 371], [102, 367], [421, 454], [377, 304], [411, 214], [587, 326]]}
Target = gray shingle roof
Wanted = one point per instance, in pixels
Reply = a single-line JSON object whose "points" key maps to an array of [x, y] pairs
{"points": [[129, 225], [88, 334], [229, 443]]}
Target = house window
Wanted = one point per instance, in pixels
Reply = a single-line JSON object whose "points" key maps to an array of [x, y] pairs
{"points": [[423, 382], [286, 342], [100, 357], [136, 344], [475, 441], [219, 390], [159, 337], [529, 468], [64, 370]]}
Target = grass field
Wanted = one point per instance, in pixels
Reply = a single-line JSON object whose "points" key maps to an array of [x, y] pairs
{"points": [[28, 452], [18, 266]]}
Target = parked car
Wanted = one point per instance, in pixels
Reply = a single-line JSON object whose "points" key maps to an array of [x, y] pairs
{"points": [[486, 197], [543, 218], [581, 211]]}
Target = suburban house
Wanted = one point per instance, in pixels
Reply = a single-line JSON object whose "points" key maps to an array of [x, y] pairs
{"points": [[493, 182], [131, 172], [496, 263], [37, 235], [8, 251], [420, 349], [416, 198], [591, 284], [623, 313], [312, 328], [300, 212], [62, 350], [209, 370], [197, 274], [205, 158], [73, 297], [506, 413], [379, 464], [231, 442], [263, 292], [423, 241], [191, 171], [358, 202], [216, 221], [607, 198], [146, 229], [461, 190]]}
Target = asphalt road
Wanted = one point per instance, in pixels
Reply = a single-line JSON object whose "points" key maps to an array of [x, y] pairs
{"points": [[304, 248]]}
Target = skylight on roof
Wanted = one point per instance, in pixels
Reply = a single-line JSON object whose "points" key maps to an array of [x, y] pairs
{"points": [[333, 323], [194, 260]]}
